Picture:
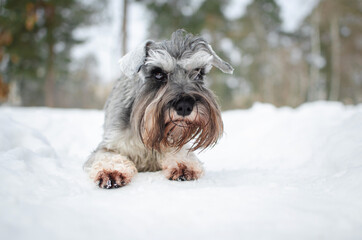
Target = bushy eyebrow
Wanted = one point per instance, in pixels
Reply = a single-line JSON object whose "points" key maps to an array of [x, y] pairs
{"points": [[200, 59], [162, 59]]}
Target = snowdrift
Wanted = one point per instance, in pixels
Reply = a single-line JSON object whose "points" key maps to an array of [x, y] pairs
{"points": [[278, 173]]}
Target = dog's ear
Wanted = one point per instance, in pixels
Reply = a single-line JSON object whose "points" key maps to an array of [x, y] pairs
{"points": [[218, 62], [131, 63]]}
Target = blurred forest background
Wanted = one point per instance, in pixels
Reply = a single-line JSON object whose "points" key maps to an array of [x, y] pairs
{"points": [[320, 60]]}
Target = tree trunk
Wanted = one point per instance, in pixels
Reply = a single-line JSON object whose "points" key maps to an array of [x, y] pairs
{"points": [[336, 59], [124, 28], [316, 53], [263, 84], [50, 74], [49, 78], [4, 90]]}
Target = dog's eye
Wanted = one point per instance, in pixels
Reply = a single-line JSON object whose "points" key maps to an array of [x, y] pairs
{"points": [[199, 77], [159, 75], [200, 72]]}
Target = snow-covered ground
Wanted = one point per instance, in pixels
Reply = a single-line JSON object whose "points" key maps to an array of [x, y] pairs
{"points": [[276, 174]]}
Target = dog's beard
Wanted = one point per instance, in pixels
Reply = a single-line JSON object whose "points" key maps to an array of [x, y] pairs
{"points": [[180, 130], [161, 128]]}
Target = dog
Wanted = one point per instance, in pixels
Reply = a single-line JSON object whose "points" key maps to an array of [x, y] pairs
{"points": [[159, 112]]}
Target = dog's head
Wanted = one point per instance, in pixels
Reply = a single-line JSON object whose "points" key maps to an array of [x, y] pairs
{"points": [[173, 105]]}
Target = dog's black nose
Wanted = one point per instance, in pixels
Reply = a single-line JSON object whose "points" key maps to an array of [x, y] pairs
{"points": [[184, 106]]}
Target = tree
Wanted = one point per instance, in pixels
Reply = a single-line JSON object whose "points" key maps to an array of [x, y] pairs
{"points": [[320, 60], [257, 28], [41, 37], [339, 24], [124, 28]]}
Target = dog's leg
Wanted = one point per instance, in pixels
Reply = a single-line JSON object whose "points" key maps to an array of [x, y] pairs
{"points": [[181, 166], [109, 169]]}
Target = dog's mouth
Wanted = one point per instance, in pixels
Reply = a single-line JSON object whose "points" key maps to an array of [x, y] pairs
{"points": [[173, 127], [173, 121], [181, 129]]}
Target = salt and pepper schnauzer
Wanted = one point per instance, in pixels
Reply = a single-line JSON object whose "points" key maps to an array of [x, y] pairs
{"points": [[159, 112]]}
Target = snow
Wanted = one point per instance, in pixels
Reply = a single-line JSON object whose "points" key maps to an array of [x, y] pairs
{"points": [[278, 173]]}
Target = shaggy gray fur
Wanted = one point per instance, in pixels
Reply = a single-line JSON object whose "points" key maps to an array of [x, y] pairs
{"points": [[135, 84]]}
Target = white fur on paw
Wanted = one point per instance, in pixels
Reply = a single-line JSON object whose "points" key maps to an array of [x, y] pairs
{"points": [[183, 171], [112, 179], [111, 170]]}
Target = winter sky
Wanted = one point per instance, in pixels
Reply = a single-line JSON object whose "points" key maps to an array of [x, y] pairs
{"points": [[104, 39]]}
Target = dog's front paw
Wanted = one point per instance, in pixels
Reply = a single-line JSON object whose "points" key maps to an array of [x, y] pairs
{"points": [[112, 179], [184, 171]]}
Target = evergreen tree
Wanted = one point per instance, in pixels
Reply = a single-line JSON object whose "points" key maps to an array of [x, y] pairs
{"points": [[257, 29], [339, 24], [39, 36]]}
